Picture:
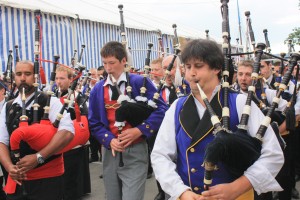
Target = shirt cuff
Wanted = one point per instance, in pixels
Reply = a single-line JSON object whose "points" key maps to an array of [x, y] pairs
{"points": [[146, 129], [179, 191], [68, 128], [262, 181]]}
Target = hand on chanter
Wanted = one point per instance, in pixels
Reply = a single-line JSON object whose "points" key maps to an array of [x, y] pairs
{"points": [[27, 163], [115, 145], [189, 195], [128, 136], [15, 174], [219, 192]]}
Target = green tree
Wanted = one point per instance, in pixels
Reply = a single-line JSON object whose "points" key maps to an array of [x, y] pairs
{"points": [[295, 36]]}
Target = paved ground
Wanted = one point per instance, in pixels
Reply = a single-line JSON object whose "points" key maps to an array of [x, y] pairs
{"points": [[98, 192]]}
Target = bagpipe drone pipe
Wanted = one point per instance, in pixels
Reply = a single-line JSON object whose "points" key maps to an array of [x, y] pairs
{"points": [[132, 111], [38, 134], [221, 148], [152, 102], [238, 150]]}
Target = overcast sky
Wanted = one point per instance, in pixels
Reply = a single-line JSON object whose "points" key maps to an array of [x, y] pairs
{"points": [[192, 17], [279, 17]]}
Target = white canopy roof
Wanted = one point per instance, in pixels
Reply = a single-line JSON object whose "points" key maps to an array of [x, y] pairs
{"points": [[107, 11]]}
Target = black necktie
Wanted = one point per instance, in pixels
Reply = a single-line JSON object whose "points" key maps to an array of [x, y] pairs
{"points": [[173, 95], [115, 94]]}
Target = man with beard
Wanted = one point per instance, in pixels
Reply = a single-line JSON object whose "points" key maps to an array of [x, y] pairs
{"points": [[40, 173]]}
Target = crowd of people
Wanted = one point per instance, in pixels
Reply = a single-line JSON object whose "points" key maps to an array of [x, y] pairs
{"points": [[153, 122]]}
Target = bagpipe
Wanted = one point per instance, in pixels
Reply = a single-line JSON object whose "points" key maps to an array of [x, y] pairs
{"points": [[156, 95], [250, 30], [238, 150], [8, 77], [38, 134], [124, 38], [161, 45], [268, 46], [12, 94], [206, 34], [132, 111], [289, 112]]}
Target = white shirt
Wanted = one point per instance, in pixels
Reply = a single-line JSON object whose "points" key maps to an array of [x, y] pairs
{"points": [[270, 94], [122, 86], [1, 104], [297, 105], [261, 174], [167, 92], [55, 106]]}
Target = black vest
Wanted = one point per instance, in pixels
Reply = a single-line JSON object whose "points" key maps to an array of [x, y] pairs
{"points": [[14, 112]]}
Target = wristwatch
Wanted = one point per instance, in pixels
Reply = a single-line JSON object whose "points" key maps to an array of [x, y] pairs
{"points": [[40, 158]]}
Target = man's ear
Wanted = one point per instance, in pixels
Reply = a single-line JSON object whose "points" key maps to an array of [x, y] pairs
{"points": [[123, 60]]}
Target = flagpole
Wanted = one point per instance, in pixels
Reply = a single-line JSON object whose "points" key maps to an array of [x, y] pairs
{"points": [[239, 18]]}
